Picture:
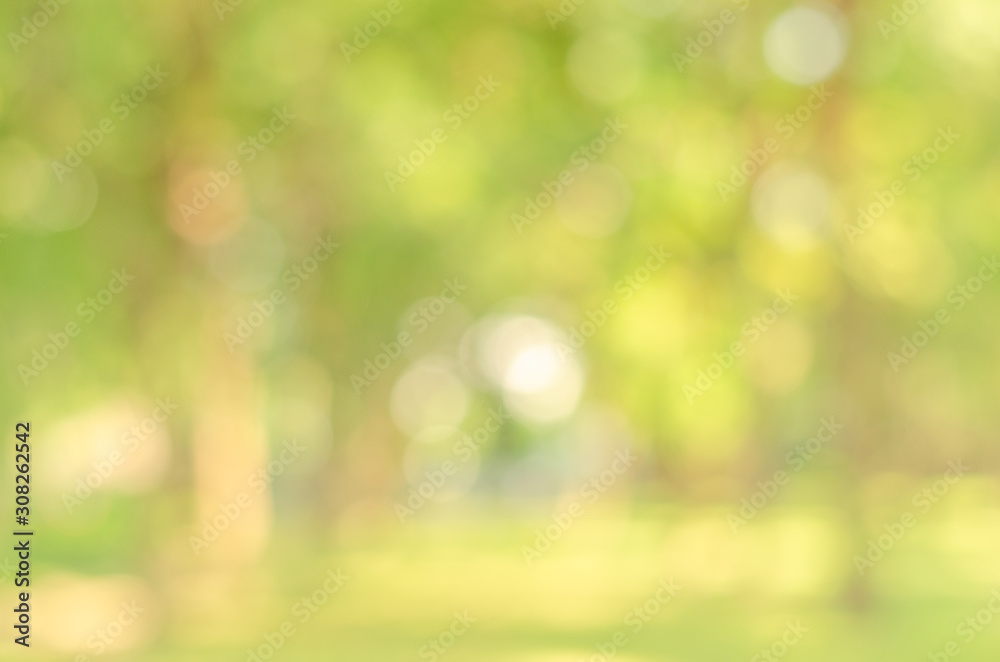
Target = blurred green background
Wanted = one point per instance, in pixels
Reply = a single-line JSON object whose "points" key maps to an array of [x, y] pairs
{"points": [[299, 287]]}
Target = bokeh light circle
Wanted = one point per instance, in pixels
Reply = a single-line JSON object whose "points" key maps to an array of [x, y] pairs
{"points": [[807, 43], [791, 204], [528, 359], [428, 395]]}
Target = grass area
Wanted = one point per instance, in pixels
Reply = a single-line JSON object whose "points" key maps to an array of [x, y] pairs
{"points": [[737, 594]]}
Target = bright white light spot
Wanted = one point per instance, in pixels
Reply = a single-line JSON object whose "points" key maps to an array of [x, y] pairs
{"points": [[534, 369], [550, 389], [807, 44], [502, 339], [528, 360]]}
